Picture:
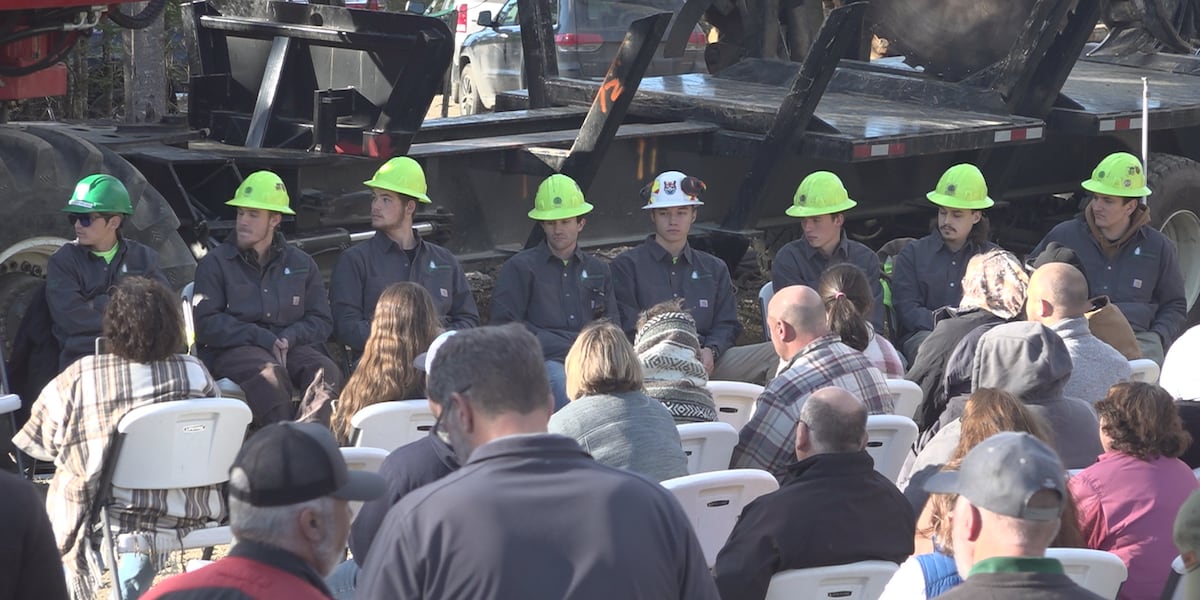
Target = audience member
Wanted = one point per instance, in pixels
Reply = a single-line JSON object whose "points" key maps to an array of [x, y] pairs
{"points": [[669, 352], [993, 291], [816, 358], [1011, 494], [289, 493], [1058, 299], [843, 287], [1128, 500], [609, 415], [30, 566], [1187, 538], [832, 508], [404, 325], [1180, 377], [529, 515], [74, 418]]}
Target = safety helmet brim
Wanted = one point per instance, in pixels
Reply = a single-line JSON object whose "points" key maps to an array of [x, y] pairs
{"points": [[286, 210], [1098, 187], [421, 197], [816, 211], [952, 202], [565, 212]]}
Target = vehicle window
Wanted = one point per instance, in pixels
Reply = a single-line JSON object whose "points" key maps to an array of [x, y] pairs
{"points": [[612, 13], [508, 14]]}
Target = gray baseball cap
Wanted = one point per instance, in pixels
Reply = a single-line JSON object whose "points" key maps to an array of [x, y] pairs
{"points": [[1003, 472]]}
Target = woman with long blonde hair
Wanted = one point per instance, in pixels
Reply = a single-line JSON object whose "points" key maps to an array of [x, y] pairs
{"points": [[404, 324]]}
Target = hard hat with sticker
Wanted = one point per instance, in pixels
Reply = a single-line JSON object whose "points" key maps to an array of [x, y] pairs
{"points": [[1119, 174]]}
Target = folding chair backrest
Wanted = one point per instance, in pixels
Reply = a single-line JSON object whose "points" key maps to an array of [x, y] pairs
{"points": [[389, 425], [180, 444], [1144, 370], [735, 401], [714, 501], [362, 459], [856, 581], [708, 446], [764, 298], [1098, 571], [906, 397], [889, 440]]}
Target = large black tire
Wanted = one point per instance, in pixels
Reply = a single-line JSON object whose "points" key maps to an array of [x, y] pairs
{"points": [[469, 102], [1175, 210]]}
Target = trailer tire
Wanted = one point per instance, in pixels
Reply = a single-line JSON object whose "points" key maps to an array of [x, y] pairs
{"points": [[1175, 210], [469, 102]]}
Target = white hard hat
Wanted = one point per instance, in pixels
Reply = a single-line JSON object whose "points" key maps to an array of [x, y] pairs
{"points": [[673, 188]]}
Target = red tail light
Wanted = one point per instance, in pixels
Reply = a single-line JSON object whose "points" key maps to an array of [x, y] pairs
{"points": [[697, 41], [578, 42], [462, 18]]}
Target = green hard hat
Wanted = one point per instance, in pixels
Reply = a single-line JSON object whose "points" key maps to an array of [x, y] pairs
{"points": [[1119, 174], [99, 194], [961, 186], [559, 197], [821, 193], [263, 190], [402, 175]]}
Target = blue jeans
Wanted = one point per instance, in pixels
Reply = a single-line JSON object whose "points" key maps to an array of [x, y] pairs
{"points": [[558, 383], [135, 574], [343, 580]]}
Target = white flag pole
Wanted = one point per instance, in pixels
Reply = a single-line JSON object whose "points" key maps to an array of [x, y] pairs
{"points": [[1145, 128]]}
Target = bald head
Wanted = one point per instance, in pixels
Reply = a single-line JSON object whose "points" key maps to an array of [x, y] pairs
{"points": [[1057, 291], [831, 420], [801, 308]]}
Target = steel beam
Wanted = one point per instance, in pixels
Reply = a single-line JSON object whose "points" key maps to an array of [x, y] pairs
{"points": [[537, 42]]}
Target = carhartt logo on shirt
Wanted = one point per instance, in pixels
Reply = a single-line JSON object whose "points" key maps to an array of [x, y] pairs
{"points": [[295, 300], [704, 304], [1137, 283], [445, 294], [287, 271]]}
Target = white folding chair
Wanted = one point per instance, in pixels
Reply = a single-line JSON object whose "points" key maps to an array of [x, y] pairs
{"points": [[1196, 472], [889, 440], [764, 298], [173, 445], [856, 581], [389, 425], [1175, 588], [714, 501], [708, 446], [906, 397], [362, 459], [735, 401], [1144, 370], [225, 385], [1100, 572]]}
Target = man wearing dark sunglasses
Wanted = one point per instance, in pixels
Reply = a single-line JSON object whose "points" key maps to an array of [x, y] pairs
{"points": [[80, 274]]}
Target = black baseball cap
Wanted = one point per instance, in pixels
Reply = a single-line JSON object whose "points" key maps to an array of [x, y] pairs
{"points": [[290, 463]]}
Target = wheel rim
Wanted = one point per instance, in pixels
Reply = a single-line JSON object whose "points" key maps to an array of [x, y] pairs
{"points": [[467, 93], [30, 256], [1183, 228]]}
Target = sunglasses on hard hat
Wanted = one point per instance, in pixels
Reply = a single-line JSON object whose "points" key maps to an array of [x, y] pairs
{"points": [[85, 220]]}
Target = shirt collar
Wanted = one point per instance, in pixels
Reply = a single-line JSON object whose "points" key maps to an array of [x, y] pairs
{"points": [[813, 346], [280, 559], [526, 444], [660, 254], [1017, 564], [384, 243], [547, 255], [841, 250]]}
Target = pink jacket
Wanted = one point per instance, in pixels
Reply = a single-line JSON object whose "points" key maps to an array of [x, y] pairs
{"points": [[1127, 506]]}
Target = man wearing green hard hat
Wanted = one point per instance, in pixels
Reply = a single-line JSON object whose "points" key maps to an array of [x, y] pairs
{"points": [[928, 272], [821, 202], [261, 311], [1123, 256], [396, 253], [554, 288], [80, 274]]}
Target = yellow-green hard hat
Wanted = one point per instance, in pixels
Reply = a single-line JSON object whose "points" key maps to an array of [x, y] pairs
{"points": [[402, 175], [99, 193], [263, 190], [559, 197], [821, 193], [1119, 174], [961, 186]]}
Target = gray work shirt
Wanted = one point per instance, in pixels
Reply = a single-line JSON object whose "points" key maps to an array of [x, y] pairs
{"points": [[552, 297], [363, 271], [534, 517], [799, 263], [648, 274], [1143, 279], [928, 276], [237, 302]]}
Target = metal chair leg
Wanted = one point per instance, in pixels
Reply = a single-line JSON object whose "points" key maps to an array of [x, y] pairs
{"points": [[112, 553]]}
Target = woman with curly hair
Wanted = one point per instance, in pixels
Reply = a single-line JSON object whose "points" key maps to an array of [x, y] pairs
{"points": [[848, 304], [404, 325], [1128, 499]]}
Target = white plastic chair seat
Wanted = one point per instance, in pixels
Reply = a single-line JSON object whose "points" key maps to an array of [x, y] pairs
{"points": [[889, 441], [362, 459], [9, 403], [735, 401], [708, 446], [856, 581], [906, 397], [714, 501], [389, 425], [214, 535], [1144, 370], [1100, 572]]}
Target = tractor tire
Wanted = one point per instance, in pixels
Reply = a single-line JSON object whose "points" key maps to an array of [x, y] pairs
{"points": [[1175, 210], [469, 102]]}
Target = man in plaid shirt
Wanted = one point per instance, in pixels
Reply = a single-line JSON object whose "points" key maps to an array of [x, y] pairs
{"points": [[815, 359]]}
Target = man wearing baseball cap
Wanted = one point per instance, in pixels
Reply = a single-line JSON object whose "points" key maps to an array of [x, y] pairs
{"points": [[289, 494], [1011, 492], [396, 253], [665, 267], [821, 203], [261, 311], [80, 274], [555, 288], [928, 272]]}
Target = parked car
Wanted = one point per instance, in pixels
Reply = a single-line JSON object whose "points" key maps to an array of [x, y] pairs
{"points": [[465, 19], [587, 34]]}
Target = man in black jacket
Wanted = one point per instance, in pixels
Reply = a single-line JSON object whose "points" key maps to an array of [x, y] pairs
{"points": [[832, 509]]}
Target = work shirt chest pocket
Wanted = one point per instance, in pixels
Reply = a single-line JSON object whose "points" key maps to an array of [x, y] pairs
{"points": [[1139, 276], [595, 296], [438, 278], [700, 298], [292, 287]]}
